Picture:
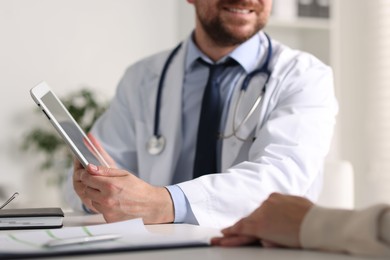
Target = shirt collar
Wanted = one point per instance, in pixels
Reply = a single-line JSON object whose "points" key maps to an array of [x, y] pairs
{"points": [[247, 54]]}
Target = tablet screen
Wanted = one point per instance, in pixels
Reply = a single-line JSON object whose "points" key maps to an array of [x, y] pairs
{"points": [[69, 128]]}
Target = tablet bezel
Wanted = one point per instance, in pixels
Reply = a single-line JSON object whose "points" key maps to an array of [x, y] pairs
{"points": [[40, 91]]}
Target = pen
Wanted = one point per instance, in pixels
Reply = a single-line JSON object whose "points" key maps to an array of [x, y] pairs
{"points": [[81, 240]]}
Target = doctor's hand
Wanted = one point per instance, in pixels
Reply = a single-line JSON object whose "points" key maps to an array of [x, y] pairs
{"points": [[80, 187], [276, 222], [78, 170], [119, 195]]}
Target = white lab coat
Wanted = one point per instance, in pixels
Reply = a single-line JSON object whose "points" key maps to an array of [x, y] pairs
{"points": [[293, 126]]}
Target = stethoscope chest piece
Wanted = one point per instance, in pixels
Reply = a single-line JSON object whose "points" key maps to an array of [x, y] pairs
{"points": [[155, 145]]}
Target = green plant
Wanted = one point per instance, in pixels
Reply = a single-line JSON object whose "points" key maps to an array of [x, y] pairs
{"points": [[85, 109]]}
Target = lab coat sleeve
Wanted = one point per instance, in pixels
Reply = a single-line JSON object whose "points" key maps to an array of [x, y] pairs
{"points": [[359, 232], [293, 138]]}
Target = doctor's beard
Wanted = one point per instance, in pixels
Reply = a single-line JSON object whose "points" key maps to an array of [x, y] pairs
{"points": [[225, 31]]}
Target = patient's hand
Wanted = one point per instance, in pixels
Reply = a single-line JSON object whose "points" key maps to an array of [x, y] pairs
{"points": [[276, 222]]}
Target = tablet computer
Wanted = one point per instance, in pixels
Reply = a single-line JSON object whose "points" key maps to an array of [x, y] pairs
{"points": [[66, 126]]}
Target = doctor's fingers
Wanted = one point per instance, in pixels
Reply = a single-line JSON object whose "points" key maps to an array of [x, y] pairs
{"points": [[102, 151], [93, 181], [109, 206], [105, 171], [109, 186], [93, 194], [80, 189], [110, 214], [77, 169], [78, 174]]}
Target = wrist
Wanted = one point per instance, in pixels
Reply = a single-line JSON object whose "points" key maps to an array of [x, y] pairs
{"points": [[168, 207], [162, 209]]}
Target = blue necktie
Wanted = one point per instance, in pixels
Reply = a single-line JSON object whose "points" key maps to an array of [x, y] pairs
{"points": [[208, 129]]}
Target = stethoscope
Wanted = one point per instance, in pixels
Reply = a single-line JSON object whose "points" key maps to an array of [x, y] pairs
{"points": [[157, 142]]}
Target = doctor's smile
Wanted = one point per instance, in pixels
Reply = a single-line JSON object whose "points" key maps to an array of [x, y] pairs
{"points": [[239, 16], [239, 11]]}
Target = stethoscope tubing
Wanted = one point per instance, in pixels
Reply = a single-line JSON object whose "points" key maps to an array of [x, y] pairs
{"points": [[159, 91], [156, 131]]}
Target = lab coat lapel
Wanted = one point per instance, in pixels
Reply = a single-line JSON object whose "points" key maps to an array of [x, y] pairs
{"points": [[232, 146], [170, 121]]}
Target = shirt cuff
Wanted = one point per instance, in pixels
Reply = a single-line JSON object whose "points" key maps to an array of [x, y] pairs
{"points": [[182, 208]]}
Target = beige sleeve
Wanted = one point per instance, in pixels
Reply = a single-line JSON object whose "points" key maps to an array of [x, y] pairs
{"points": [[360, 232]]}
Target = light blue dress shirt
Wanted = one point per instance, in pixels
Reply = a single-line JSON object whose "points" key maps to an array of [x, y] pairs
{"points": [[247, 55]]}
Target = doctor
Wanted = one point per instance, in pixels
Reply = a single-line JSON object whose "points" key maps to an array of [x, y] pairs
{"points": [[276, 113]]}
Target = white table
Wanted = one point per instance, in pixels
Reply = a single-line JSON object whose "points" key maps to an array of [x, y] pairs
{"points": [[203, 253]]}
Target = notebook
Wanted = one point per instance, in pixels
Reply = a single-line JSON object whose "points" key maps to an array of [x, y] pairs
{"points": [[31, 218]]}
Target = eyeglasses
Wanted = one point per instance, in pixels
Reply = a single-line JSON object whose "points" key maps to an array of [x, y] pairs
{"points": [[9, 200]]}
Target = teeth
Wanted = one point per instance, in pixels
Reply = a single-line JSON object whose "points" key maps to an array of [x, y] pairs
{"points": [[240, 11]]}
